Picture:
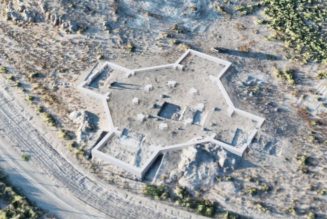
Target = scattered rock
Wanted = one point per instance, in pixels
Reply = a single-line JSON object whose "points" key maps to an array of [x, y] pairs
{"points": [[136, 101], [172, 84], [200, 165], [141, 117], [199, 169], [148, 87], [193, 91], [73, 26], [86, 125], [163, 126]]}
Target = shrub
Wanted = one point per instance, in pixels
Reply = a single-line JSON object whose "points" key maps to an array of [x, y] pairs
{"points": [[3, 70], [66, 134], [15, 205], [231, 215], [26, 157], [287, 75], [36, 75], [183, 47], [205, 208], [292, 210], [40, 109], [19, 84], [31, 98], [261, 207], [156, 192], [181, 192], [323, 192], [130, 47], [12, 78], [49, 118], [265, 187], [311, 215], [322, 75], [248, 9]]}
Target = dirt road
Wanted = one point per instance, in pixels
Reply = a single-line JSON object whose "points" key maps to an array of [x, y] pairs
{"points": [[40, 188]]}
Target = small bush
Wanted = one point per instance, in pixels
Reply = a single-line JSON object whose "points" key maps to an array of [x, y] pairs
{"points": [[130, 47], [261, 207], [248, 9], [26, 157], [323, 192], [31, 98], [205, 208], [322, 75], [304, 160], [12, 78], [40, 109], [156, 192], [3, 70], [287, 75], [66, 134], [19, 84], [36, 75], [231, 215], [292, 210], [49, 118], [183, 47], [252, 191], [311, 215], [181, 192]]}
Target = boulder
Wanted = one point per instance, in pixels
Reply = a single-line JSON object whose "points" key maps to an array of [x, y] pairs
{"points": [[83, 119], [199, 169]]}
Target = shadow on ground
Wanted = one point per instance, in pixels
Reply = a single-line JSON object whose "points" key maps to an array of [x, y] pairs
{"points": [[248, 54]]}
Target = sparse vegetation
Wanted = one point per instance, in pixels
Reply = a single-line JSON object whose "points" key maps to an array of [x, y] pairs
{"points": [[323, 192], [304, 162], [15, 205], [287, 75], [156, 192], [247, 9], [292, 210], [231, 215], [66, 134], [311, 215], [40, 109], [12, 78], [19, 84], [259, 188], [50, 119], [36, 75], [3, 70], [130, 47], [322, 75], [26, 157], [300, 24], [31, 98], [261, 207], [182, 198]]}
